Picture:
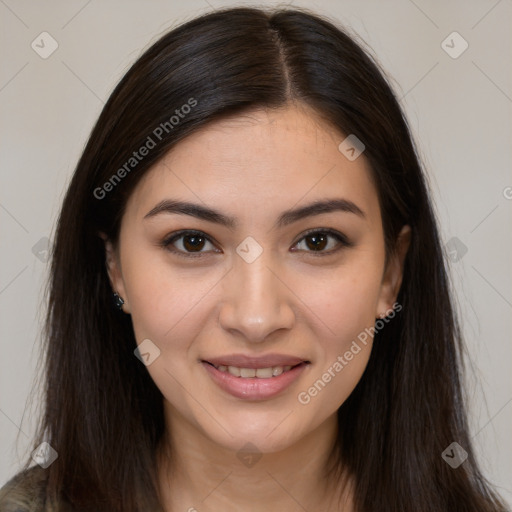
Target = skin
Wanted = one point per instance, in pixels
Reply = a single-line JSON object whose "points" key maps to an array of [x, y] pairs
{"points": [[253, 167]]}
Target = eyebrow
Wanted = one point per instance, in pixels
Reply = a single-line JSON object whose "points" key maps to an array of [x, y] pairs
{"points": [[319, 207]]}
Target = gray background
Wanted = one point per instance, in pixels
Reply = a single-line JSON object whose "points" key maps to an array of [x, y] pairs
{"points": [[459, 110]]}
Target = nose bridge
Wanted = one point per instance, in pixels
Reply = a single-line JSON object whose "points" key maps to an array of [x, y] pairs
{"points": [[255, 301]]}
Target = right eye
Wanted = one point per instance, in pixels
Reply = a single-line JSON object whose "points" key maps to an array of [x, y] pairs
{"points": [[187, 243]]}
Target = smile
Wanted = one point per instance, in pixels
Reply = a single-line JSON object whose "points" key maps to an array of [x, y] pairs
{"points": [[261, 383]]}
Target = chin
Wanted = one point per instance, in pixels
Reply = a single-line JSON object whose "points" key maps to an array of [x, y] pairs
{"points": [[268, 433]]}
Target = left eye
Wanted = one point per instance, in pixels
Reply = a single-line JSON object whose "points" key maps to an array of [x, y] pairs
{"points": [[192, 243], [317, 241]]}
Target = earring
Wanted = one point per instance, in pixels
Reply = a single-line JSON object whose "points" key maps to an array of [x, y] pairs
{"points": [[118, 301]]}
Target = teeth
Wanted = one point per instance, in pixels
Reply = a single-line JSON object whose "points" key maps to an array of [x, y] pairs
{"points": [[247, 372], [234, 371], [277, 370], [261, 373], [264, 373]]}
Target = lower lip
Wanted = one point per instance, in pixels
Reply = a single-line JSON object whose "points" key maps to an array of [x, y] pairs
{"points": [[253, 388]]}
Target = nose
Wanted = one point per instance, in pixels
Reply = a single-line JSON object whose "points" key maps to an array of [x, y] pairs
{"points": [[255, 302]]}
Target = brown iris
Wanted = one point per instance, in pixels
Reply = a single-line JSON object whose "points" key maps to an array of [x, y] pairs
{"points": [[193, 242], [319, 241]]}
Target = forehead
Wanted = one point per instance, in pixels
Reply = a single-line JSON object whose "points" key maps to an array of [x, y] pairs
{"points": [[256, 162]]}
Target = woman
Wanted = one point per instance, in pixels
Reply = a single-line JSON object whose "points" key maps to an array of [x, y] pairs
{"points": [[282, 335]]}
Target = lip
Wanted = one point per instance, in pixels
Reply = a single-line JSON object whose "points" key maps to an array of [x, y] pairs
{"points": [[254, 388], [265, 361]]}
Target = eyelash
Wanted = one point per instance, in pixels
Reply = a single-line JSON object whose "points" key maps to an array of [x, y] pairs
{"points": [[168, 241]]}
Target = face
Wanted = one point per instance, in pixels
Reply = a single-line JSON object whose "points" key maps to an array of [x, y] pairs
{"points": [[255, 299]]}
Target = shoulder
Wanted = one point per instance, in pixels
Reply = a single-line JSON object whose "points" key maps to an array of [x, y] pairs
{"points": [[25, 492]]}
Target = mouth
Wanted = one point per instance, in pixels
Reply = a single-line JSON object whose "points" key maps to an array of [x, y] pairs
{"points": [[253, 378]]}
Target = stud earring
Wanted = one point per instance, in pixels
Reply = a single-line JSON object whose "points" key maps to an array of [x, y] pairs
{"points": [[118, 301]]}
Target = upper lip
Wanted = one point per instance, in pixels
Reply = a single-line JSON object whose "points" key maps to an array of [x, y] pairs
{"points": [[264, 361]]}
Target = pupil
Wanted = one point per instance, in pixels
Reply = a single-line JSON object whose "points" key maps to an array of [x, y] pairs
{"points": [[319, 241], [193, 242]]}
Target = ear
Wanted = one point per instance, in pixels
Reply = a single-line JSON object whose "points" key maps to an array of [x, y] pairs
{"points": [[393, 273], [114, 271]]}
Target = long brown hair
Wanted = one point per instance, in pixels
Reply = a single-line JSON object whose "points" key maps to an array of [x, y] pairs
{"points": [[103, 413]]}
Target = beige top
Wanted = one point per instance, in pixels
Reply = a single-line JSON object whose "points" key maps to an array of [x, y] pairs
{"points": [[25, 492]]}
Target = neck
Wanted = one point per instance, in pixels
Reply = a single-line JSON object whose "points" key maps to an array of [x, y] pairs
{"points": [[196, 474]]}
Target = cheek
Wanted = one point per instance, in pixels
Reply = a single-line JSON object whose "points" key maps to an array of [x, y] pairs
{"points": [[345, 306], [161, 309], [166, 302], [345, 302]]}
